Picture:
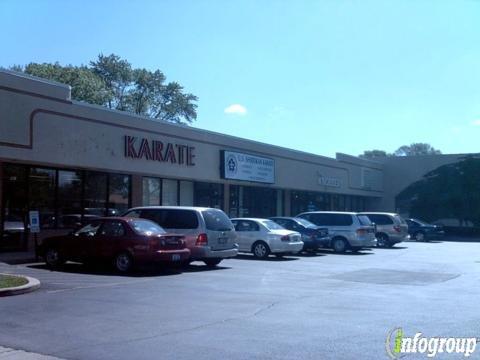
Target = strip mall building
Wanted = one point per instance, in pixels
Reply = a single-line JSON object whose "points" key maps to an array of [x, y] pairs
{"points": [[70, 160]]}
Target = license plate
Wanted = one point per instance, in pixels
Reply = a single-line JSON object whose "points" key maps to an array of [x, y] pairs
{"points": [[175, 257], [222, 240]]}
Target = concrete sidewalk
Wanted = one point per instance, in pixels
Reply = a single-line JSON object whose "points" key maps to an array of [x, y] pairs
{"points": [[12, 354]]}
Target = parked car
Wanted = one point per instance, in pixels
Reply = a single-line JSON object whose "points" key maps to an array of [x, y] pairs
{"points": [[313, 236], [391, 229], [263, 237], [347, 230], [209, 233], [421, 231], [125, 241]]}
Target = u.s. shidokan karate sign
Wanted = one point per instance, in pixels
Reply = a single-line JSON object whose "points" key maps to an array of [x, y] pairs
{"points": [[156, 150]]}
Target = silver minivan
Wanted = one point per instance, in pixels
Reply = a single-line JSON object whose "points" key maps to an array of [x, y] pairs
{"points": [[209, 233], [348, 230], [391, 229]]}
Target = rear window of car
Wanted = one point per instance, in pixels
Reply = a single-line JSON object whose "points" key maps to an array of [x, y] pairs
{"points": [[272, 225], [364, 220], [305, 223], [145, 227], [399, 219], [172, 218], [380, 219], [331, 219], [216, 220]]}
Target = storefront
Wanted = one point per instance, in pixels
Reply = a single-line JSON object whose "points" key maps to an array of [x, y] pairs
{"points": [[72, 161]]}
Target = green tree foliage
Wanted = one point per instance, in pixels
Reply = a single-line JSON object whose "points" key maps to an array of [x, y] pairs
{"points": [[373, 154], [450, 191], [112, 82], [416, 149]]}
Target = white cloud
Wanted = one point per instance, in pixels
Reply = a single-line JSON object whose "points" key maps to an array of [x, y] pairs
{"points": [[236, 109], [476, 122]]}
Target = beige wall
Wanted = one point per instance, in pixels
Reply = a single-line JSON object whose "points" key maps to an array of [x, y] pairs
{"points": [[44, 129]]}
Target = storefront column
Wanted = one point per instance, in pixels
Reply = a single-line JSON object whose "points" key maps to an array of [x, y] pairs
{"points": [[1, 201], [287, 209], [226, 198], [137, 190]]}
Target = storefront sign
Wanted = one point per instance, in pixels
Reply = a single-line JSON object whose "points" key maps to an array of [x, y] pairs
{"points": [[34, 221], [329, 181], [155, 150], [239, 166]]}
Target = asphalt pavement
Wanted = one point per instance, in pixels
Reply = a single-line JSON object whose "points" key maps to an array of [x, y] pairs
{"points": [[322, 306]]}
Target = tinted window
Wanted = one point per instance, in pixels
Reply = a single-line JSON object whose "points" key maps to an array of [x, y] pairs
{"points": [[330, 219], [145, 227], [133, 214], [399, 219], [172, 218], [216, 220], [112, 228], [380, 219]]}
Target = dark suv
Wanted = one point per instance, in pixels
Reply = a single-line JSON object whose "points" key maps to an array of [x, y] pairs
{"points": [[313, 236]]}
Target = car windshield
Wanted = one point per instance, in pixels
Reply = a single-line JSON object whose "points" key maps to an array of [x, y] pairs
{"points": [[89, 229], [306, 223], [146, 227], [271, 225], [216, 220], [364, 220]]}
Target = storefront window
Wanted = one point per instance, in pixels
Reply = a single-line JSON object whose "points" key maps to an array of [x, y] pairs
{"points": [[69, 213], [14, 207], [119, 194], [41, 195], [252, 201], [169, 192], [151, 190], [95, 200], [208, 195], [186, 193]]}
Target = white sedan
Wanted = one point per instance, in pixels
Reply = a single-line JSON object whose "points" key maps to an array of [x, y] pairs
{"points": [[263, 237]]}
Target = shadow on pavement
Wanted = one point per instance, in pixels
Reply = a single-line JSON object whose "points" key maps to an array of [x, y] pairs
{"points": [[311, 254], [392, 248], [348, 253], [270, 258], [105, 270]]}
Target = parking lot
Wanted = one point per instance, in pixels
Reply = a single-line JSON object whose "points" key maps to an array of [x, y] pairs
{"points": [[301, 307]]}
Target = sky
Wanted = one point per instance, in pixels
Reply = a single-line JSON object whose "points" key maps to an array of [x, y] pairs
{"points": [[321, 76]]}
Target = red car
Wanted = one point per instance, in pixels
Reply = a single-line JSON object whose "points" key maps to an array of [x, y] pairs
{"points": [[125, 241]]}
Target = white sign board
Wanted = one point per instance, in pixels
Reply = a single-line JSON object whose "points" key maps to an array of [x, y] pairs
{"points": [[34, 222], [240, 166]]}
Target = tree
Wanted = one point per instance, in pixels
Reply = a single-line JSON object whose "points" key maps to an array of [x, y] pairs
{"points": [[416, 149], [373, 154], [450, 191], [112, 82]]}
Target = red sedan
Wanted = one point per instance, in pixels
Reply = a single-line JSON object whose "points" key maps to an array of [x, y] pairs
{"points": [[125, 241]]}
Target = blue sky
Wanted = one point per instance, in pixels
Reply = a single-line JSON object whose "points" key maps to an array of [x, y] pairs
{"points": [[318, 76]]}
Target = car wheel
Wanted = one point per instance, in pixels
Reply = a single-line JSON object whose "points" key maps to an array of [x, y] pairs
{"points": [[382, 240], [53, 258], [419, 236], [339, 245], [211, 263], [260, 250], [123, 262]]}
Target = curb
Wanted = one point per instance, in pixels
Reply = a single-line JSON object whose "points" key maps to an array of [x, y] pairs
{"points": [[32, 285]]}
